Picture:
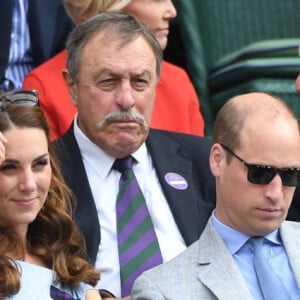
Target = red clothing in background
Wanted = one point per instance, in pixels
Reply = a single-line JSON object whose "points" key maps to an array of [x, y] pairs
{"points": [[176, 107]]}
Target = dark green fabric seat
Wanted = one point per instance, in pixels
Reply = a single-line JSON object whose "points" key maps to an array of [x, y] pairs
{"points": [[216, 31], [269, 66], [287, 67], [278, 48], [281, 87]]}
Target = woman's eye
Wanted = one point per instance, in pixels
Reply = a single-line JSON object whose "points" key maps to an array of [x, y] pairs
{"points": [[41, 163], [7, 167]]}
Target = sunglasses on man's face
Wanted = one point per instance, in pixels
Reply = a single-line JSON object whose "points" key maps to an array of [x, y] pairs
{"points": [[263, 174], [22, 97]]}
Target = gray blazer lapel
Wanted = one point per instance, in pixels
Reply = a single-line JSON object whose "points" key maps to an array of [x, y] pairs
{"points": [[289, 232], [218, 270]]}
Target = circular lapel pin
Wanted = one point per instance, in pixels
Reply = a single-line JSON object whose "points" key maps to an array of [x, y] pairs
{"points": [[176, 181]]}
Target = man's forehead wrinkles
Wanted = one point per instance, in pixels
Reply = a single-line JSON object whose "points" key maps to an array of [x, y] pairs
{"points": [[120, 73]]}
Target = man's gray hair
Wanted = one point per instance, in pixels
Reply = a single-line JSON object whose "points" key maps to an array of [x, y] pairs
{"points": [[124, 27]]}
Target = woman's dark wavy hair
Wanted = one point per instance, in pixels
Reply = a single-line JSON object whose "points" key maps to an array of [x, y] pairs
{"points": [[53, 236]]}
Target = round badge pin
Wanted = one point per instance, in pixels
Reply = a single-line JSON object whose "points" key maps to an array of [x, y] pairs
{"points": [[176, 181]]}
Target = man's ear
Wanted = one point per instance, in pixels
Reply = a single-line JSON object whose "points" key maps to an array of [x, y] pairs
{"points": [[72, 87], [216, 159]]}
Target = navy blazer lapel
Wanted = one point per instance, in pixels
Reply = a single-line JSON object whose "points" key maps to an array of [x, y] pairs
{"points": [[166, 158], [76, 178], [191, 207]]}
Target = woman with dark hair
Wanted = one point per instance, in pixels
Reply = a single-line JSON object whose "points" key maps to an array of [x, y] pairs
{"points": [[41, 249]]}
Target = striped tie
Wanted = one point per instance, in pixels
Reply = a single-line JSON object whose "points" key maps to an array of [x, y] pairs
{"points": [[137, 241]]}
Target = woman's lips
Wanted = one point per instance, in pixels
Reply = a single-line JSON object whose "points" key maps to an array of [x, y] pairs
{"points": [[163, 31], [25, 202]]}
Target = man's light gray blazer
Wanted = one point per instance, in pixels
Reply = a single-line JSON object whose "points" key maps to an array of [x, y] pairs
{"points": [[206, 270]]}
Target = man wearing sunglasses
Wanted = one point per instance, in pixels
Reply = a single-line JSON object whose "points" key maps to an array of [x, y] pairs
{"points": [[255, 159]]}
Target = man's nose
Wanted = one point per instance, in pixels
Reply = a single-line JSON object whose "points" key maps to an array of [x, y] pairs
{"points": [[125, 98], [274, 189], [170, 12]]}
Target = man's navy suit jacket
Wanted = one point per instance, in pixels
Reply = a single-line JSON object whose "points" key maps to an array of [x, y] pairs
{"points": [[49, 26], [183, 154]]}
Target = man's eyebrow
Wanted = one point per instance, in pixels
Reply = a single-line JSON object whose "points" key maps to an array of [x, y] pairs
{"points": [[105, 72], [142, 74], [114, 73]]}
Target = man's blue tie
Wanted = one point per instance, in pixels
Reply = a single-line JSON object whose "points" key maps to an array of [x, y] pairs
{"points": [[271, 286], [137, 241]]}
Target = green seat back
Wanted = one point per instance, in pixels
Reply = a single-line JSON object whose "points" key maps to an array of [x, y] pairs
{"points": [[214, 29]]}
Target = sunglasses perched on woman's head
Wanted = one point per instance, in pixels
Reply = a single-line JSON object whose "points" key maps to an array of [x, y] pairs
{"points": [[22, 97], [263, 174]]}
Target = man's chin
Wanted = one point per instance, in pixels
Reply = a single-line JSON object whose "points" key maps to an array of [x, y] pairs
{"points": [[125, 144]]}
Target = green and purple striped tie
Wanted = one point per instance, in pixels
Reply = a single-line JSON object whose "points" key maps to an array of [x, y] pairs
{"points": [[137, 241]]}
